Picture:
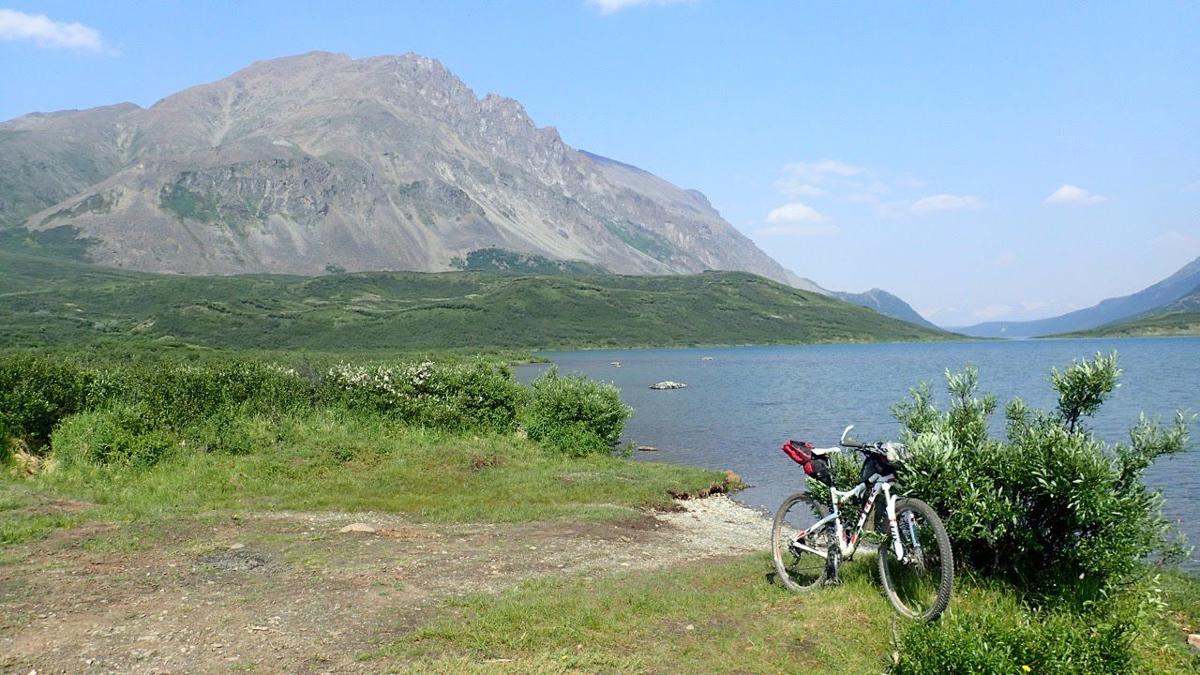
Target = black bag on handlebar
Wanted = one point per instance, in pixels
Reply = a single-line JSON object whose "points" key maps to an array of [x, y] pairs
{"points": [[876, 464]]}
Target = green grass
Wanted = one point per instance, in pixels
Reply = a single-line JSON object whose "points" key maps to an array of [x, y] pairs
{"points": [[639, 622], [739, 622], [46, 303], [335, 461]]}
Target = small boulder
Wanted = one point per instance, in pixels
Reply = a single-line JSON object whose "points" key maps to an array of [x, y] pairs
{"points": [[1194, 642], [358, 527], [668, 384], [237, 547]]}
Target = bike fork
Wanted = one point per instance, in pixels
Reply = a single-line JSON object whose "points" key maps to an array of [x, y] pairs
{"points": [[897, 548]]}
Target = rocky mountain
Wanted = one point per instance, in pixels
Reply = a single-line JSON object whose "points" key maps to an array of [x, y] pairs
{"points": [[1179, 317], [322, 162], [886, 304], [1147, 300]]}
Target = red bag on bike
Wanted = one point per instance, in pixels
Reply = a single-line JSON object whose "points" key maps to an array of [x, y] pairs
{"points": [[817, 467]]}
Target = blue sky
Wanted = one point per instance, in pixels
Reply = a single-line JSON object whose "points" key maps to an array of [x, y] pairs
{"points": [[981, 160]]}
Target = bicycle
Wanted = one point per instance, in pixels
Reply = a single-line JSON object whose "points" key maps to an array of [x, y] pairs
{"points": [[808, 541]]}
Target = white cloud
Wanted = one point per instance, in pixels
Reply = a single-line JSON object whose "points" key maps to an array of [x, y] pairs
{"points": [[818, 178], [1176, 241], [610, 6], [822, 167], [945, 203], [45, 32], [796, 188], [793, 213], [798, 230], [1073, 194]]}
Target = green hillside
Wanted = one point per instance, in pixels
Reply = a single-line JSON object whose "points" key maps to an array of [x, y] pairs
{"points": [[46, 302], [1164, 324]]}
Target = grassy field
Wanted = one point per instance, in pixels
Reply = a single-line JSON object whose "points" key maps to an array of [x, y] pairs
{"points": [[47, 303], [725, 616], [331, 461]]}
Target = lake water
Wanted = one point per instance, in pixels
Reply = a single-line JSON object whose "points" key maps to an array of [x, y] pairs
{"points": [[741, 405]]}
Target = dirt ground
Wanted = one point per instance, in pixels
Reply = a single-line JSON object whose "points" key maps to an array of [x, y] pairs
{"points": [[291, 592]]}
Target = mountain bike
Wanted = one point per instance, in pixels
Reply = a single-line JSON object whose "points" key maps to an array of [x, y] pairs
{"points": [[808, 541]]}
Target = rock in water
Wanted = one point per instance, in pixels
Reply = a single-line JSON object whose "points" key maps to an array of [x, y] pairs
{"points": [[647, 448], [668, 384], [358, 527]]}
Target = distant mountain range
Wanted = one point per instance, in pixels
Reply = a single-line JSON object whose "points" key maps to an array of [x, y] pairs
{"points": [[1174, 295]]}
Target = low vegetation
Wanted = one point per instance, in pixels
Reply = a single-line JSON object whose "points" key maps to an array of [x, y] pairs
{"points": [[1160, 324], [1053, 529], [59, 303], [437, 439], [723, 616], [1055, 524]]}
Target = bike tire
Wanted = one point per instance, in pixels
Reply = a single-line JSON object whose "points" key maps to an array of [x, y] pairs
{"points": [[796, 573], [888, 565]]}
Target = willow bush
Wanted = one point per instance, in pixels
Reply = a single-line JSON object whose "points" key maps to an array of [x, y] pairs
{"points": [[1050, 506]]}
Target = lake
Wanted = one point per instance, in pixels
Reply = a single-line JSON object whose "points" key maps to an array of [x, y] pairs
{"points": [[742, 403]]}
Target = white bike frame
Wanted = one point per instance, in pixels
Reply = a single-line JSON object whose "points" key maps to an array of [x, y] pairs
{"points": [[848, 547]]}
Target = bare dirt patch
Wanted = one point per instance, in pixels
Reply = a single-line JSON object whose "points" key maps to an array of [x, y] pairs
{"points": [[288, 592]]}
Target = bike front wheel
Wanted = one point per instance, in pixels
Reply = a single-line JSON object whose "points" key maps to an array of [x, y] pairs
{"points": [[798, 569], [919, 580]]}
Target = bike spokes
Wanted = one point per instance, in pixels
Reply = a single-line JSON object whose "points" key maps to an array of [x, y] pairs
{"points": [[915, 576], [796, 539]]}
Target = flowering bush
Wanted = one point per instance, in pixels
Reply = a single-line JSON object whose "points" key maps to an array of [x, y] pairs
{"points": [[476, 395], [177, 396]]}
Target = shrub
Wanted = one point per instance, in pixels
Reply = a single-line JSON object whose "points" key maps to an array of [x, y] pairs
{"points": [[121, 435], [472, 395], [1051, 507], [1014, 639], [575, 415], [35, 394], [178, 396]]}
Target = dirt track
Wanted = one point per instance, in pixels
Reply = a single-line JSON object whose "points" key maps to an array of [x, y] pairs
{"points": [[275, 592]]}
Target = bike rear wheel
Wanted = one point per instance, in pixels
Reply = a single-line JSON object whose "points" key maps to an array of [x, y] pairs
{"points": [[919, 582], [797, 569]]}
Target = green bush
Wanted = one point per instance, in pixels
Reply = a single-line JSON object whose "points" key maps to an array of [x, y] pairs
{"points": [[1014, 639], [1051, 507], [575, 415], [179, 396], [35, 394], [122, 435], [477, 394]]}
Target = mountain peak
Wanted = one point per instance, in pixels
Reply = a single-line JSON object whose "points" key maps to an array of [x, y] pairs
{"points": [[320, 161]]}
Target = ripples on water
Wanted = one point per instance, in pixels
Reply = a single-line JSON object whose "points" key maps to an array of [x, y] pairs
{"points": [[741, 405]]}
